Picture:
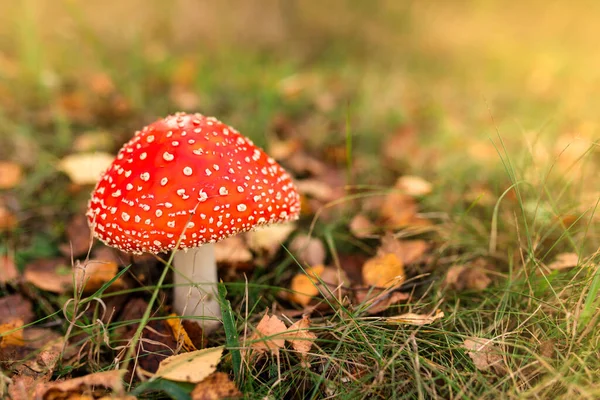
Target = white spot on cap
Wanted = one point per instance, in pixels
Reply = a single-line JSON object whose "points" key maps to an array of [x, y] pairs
{"points": [[143, 156], [241, 207], [190, 225], [125, 216], [159, 213], [171, 224], [116, 193], [223, 191], [129, 186], [150, 138], [208, 172], [164, 181], [202, 196], [168, 156], [187, 171], [145, 176], [240, 189]]}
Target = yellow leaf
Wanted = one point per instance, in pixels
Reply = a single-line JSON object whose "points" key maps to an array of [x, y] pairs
{"points": [[95, 273], [85, 168], [9, 336], [384, 271], [10, 175], [304, 285], [179, 332], [190, 367], [415, 319], [413, 185]]}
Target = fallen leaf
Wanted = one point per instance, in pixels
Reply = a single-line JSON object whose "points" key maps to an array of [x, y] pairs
{"points": [[564, 261], [79, 237], [485, 354], [268, 239], [179, 333], [93, 274], [10, 174], [415, 319], [309, 250], [8, 269], [400, 210], [190, 367], [14, 307], [233, 251], [305, 284], [408, 251], [362, 227], [7, 220], [101, 83], [215, 387], [93, 141], [35, 352], [11, 334], [268, 335], [23, 387], [299, 336], [52, 275], [385, 270], [413, 185], [461, 277], [316, 189], [78, 386], [282, 149], [376, 300], [85, 168]]}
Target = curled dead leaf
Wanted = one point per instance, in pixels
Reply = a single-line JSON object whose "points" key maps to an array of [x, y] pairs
{"points": [[376, 300], [77, 386], [564, 261], [408, 251], [93, 274], [415, 319], [233, 251], [190, 367], [385, 270], [53, 275], [179, 333]]}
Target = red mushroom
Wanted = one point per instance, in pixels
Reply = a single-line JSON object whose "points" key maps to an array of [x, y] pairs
{"points": [[183, 183]]}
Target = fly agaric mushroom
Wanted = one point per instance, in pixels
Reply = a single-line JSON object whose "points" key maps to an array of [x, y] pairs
{"points": [[181, 184]]}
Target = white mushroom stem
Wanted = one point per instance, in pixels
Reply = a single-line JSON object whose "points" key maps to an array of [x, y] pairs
{"points": [[195, 279]]}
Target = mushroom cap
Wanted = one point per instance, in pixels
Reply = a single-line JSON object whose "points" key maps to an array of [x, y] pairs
{"points": [[187, 180]]}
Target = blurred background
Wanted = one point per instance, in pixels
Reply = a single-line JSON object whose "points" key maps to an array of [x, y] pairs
{"points": [[405, 86]]}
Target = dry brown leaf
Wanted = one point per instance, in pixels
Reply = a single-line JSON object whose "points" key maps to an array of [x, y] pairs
{"points": [[408, 251], [8, 269], [93, 141], [233, 251], [77, 386], [23, 387], [305, 285], [190, 367], [564, 261], [316, 189], [10, 174], [7, 219], [400, 210], [268, 239], [79, 237], [460, 277], [415, 319], [268, 335], [299, 336], [485, 354], [376, 301], [282, 149], [85, 168], [179, 332], [385, 270], [52, 275], [95, 273], [215, 387], [362, 227], [413, 185], [14, 307], [308, 249], [37, 353]]}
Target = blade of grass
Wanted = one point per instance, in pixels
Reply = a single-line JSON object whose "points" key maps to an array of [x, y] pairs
{"points": [[231, 335]]}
